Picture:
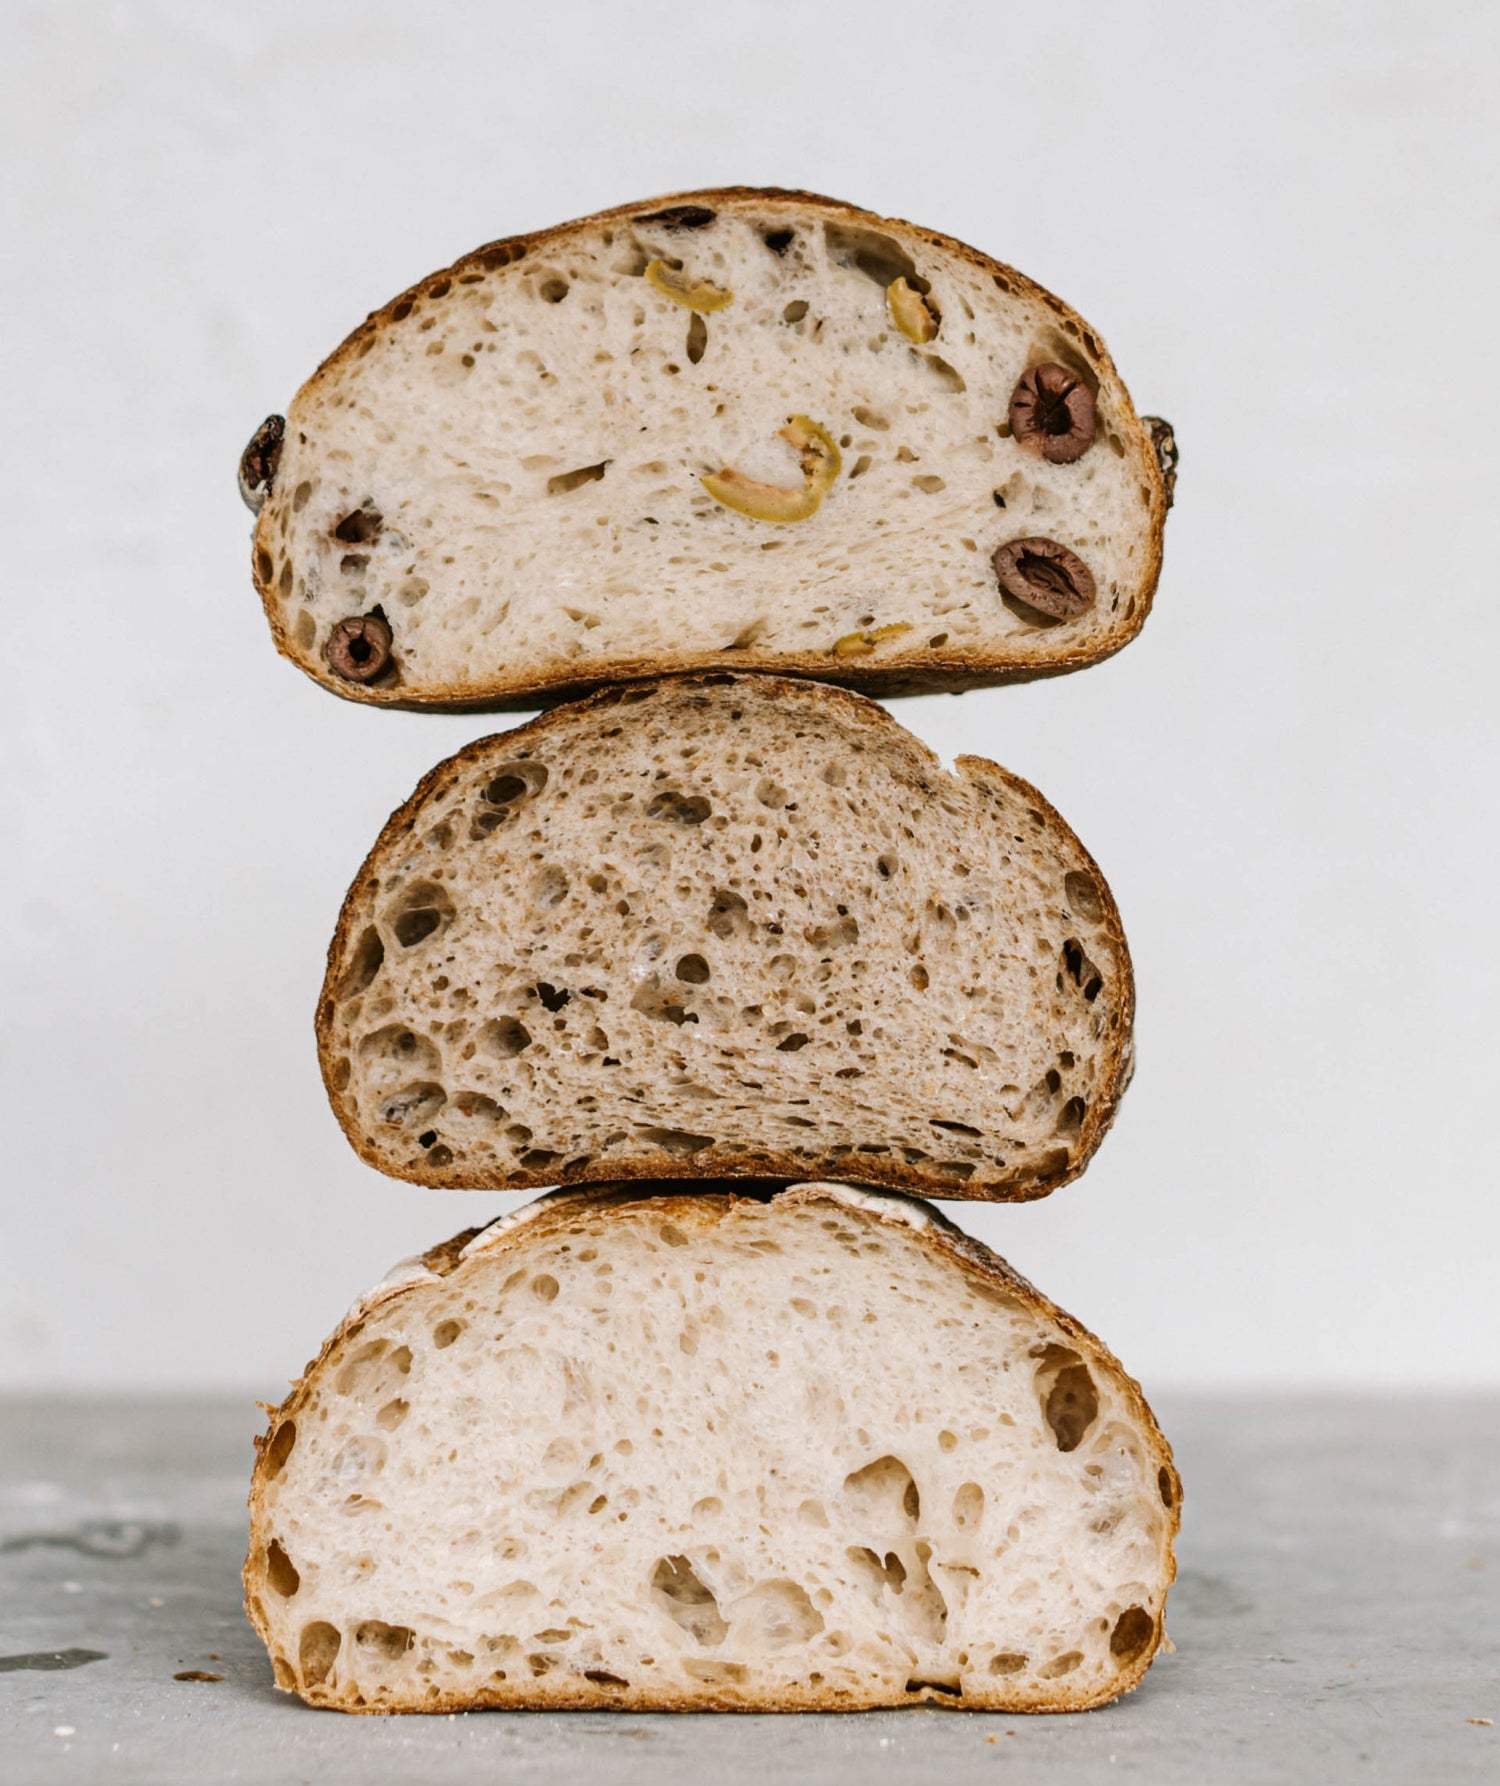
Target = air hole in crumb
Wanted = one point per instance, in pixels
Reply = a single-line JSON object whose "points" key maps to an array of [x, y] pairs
{"points": [[544, 1287], [392, 1414], [875, 1572], [423, 910], [778, 240], [887, 864], [661, 1006], [388, 1642], [1164, 1486], [444, 1334], [1070, 1117], [886, 1485], [948, 376], [728, 915], [1133, 1631], [553, 289], [1060, 1665], [318, 1651], [676, 1141], [281, 1572], [413, 1106], [1080, 970], [697, 338], [516, 781], [362, 527], [551, 886], [790, 1044], [692, 969], [280, 1449], [506, 1036], [1069, 1400], [678, 809], [364, 963], [879, 257], [683, 1595], [477, 1106], [968, 1505], [1083, 896], [567, 481], [775, 1615], [602, 1679], [1007, 1663]]}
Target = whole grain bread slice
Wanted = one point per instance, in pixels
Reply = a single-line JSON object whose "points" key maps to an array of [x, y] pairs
{"points": [[814, 1451], [726, 926], [743, 429]]}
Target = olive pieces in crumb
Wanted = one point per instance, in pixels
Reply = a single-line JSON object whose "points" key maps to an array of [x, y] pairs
{"points": [[1052, 412], [1164, 445], [1045, 576], [259, 461], [359, 648]]}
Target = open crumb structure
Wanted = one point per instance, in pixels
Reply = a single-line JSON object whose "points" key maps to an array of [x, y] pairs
{"points": [[727, 926], [812, 1450]]}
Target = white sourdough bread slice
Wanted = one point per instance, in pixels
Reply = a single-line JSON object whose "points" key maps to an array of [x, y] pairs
{"points": [[495, 488], [726, 927], [819, 1452]]}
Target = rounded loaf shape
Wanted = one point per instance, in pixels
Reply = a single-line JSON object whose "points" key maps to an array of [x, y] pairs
{"points": [[636, 1450], [726, 927], [738, 429]]}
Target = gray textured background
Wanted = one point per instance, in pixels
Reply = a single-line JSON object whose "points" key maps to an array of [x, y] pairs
{"points": [[1284, 220], [1335, 1617]]}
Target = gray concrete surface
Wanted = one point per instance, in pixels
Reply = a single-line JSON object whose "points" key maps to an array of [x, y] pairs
{"points": [[1337, 1617]]}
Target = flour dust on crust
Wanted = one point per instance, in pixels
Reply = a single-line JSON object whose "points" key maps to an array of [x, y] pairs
{"points": [[734, 429], [645, 1450]]}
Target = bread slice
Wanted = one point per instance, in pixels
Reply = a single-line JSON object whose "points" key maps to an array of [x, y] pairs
{"points": [[738, 429], [726, 927], [817, 1451]]}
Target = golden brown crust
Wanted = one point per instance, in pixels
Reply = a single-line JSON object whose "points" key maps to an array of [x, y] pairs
{"points": [[900, 671], [892, 1173], [702, 1211]]}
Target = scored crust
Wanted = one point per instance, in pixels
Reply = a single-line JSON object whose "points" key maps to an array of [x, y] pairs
{"points": [[898, 666], [1035, 1160], [532, 1228]]}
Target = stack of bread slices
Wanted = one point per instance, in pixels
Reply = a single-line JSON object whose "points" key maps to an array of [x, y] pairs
{"points": [[734, 1418]]}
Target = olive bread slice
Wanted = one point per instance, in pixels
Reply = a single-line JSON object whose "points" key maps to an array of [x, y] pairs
{"points": [[741, 429]]}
